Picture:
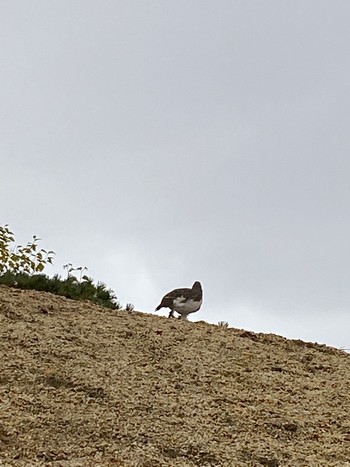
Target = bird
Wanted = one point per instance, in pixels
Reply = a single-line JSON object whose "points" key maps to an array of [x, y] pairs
{"points": [[183, 301]]}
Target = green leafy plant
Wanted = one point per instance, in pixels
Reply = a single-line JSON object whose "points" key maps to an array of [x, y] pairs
{"points": [[22, 266], [17, 258], [69, 267]]}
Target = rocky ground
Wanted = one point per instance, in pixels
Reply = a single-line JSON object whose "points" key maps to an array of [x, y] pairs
{"points": [[81, 385]]}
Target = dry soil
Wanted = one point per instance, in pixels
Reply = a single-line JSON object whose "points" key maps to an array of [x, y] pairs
{"points": [[82, 385]]}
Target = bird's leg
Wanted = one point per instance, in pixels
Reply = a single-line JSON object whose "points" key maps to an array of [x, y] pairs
{"points": [[171, 314]]}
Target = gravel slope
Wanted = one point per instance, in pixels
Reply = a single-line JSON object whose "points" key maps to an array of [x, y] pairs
{"points": [[81, 385]]}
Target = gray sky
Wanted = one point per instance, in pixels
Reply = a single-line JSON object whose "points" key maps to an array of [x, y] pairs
{"points": [[163, 142]]}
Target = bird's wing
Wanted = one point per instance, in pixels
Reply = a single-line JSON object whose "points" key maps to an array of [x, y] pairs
{"points": [[177, 293], [167, 300]]}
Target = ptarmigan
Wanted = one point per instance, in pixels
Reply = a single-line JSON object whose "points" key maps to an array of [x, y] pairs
{"points": [[183, 301]]}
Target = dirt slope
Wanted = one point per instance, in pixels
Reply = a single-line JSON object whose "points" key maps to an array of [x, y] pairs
{"points": [[84, 386]]}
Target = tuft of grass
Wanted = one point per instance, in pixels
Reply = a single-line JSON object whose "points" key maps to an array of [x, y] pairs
{"points": [[70, 287], [223, 324]]}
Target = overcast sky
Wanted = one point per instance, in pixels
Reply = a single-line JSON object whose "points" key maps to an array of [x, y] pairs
{"points": [[163, 142]]}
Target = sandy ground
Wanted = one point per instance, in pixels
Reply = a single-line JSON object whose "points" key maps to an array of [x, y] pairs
{"points": [[81, 385]]}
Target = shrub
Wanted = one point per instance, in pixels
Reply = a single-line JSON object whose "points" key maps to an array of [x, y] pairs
{"points": [[22, 267], [70, 287], [16, 259]]}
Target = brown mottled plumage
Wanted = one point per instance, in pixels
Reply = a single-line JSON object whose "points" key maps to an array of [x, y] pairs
{"points": [[183, 301]]}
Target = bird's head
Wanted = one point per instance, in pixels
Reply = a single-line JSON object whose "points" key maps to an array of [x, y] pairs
{"points": [[197, 286]]}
